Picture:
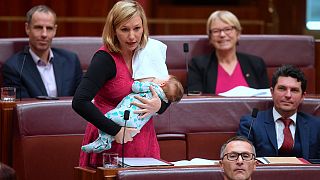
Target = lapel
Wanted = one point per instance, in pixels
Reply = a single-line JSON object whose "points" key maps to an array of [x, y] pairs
{"points": [[58, 62], [270, 129], [246, 69], [303, 128], [30, 71], [211, 78]]}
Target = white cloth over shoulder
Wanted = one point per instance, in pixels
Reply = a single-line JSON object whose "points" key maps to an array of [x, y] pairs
{"points": [[150, 61]]}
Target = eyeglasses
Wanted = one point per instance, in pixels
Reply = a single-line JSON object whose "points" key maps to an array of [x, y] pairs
{"points": [[235, 156], [226, 30]]}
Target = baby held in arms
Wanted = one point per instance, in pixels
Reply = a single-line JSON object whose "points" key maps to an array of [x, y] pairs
{"points": [[168, 89]]}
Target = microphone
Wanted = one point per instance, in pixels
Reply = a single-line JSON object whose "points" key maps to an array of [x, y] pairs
{"points": [[186, 51], [25, 53], [185, 47], [254, 116], [125, 117]]}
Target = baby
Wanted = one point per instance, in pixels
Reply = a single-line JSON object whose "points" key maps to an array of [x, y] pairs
{"points": [[169, 89]]}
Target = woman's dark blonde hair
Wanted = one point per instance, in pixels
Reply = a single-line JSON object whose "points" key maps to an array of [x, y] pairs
{"points": [[121, 12]]}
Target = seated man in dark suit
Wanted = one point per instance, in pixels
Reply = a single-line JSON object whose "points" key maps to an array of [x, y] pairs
{"points": [[40, 70], [282, 130]]}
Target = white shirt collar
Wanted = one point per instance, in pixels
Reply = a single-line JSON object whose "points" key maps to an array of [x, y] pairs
{"points": [[276, 116], [36, 58]]}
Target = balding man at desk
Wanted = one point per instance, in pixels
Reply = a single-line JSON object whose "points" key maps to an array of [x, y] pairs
{"points": [[238, 159], [282, 130]]}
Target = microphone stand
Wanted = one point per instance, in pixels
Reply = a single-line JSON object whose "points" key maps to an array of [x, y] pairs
{"points": [[254, 116], [186, 50], [125, 117], [25, 53]]}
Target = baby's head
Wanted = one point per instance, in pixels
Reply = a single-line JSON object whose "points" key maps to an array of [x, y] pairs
{"points": [[173, 89]]}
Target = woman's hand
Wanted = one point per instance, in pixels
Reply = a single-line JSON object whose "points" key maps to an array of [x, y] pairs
{"points": [[148, 106], [130, 132]]}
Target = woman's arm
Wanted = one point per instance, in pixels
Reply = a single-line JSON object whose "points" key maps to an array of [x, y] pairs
{"points": [[101, 69]]}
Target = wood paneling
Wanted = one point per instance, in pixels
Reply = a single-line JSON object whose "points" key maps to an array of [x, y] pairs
{"points": [[291, 16], [165, 16], [6, 132]]}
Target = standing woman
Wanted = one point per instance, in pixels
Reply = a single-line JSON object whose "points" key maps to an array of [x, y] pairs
{"points": [[225, 68], [109, 79]]}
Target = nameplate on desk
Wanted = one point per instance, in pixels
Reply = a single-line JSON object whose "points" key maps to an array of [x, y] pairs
{"points": [[143, 161], [282, 160]]}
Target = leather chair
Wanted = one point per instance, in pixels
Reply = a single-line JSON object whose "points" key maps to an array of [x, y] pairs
{"points": [[47, 139], [276, 50], [280, 172]]}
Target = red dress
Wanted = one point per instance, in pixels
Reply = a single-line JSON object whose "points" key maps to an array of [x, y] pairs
{"points": [[144, 144]]}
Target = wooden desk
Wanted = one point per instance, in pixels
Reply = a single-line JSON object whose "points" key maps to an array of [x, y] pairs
{"points": [[87, 173], [262, 172], [6, 132]]}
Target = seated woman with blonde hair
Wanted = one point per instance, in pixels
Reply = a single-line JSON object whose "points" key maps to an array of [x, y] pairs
{"points": [[225, 68]]}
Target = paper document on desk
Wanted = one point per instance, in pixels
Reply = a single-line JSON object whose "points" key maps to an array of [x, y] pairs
{"points": [[141, 162], [242, 91], [282, 160], [195, 161]]}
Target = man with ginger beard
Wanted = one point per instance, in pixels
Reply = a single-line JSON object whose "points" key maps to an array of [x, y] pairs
{"points": [[237, 159]]}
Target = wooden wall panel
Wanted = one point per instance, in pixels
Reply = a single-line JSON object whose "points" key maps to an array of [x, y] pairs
{"points": [[6, 131], [85, 18], [291, 16], [192, 19]]}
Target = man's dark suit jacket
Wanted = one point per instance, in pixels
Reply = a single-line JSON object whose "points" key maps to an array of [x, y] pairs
{"points": [[67, 71], [264, 138], [202, 75]]}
